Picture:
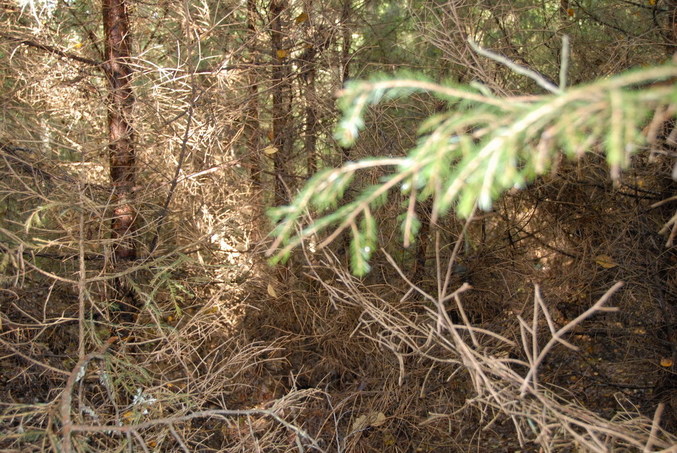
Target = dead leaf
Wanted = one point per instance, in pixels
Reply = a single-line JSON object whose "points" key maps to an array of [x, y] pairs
{"points": [[359, 423], [379, 419], [605, 261], [366, 421], [271, 291], [269, 150], [301, 18]]}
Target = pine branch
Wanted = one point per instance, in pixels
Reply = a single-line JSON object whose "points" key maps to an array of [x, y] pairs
{"points": [[51, 49], [469, 155]]}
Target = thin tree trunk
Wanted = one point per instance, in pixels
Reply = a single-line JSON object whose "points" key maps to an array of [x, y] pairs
{"points": [[346, 44], [423, 211], [347, 40], [564, 10], [120, 133], [281, 101], [252, 124], [671, 38], [310, 138]]}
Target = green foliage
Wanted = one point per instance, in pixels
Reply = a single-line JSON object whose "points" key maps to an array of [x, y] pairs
{"points": [[471, 154]]}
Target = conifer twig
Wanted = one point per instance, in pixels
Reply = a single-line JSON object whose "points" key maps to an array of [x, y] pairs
{"points": [[533, 75]]}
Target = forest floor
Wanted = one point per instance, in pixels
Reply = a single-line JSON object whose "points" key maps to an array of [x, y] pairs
{"points": [[305, 357]]}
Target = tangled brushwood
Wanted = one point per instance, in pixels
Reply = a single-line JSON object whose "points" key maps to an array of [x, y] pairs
{"points": [[490, 266], [518, 333]]}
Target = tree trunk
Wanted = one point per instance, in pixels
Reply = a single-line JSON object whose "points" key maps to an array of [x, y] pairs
{"points": [[252, 124], [281, 101], [423, 212], [346, 55], [310, 94], [564, 10], [120, 133], [671, 38], [347, 40]]}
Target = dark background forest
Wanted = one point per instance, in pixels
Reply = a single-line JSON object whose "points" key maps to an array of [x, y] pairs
{"points": [[150, 151]]}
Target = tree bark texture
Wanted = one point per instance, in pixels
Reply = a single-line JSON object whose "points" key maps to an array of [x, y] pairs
{"points": [[423, 212], [346, 56], [564, 9], [281, 101], [307, 78], [671, 45], [310, 139], [252, 124], [120, 133]]}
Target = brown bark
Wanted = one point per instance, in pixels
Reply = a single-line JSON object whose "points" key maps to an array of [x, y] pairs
{"points": [[120, 133], [564, 9], [346, 55], [346, 44], [671, 44], [310, 139], [347, 38], [423, 212], [252, 124], [281, 101]]}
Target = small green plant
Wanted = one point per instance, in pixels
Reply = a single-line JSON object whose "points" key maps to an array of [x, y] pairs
{"points": [[469, 155]]}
